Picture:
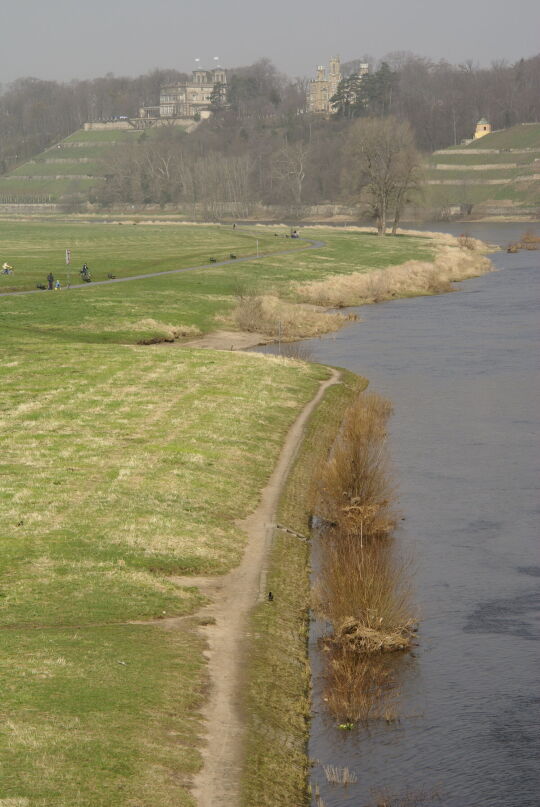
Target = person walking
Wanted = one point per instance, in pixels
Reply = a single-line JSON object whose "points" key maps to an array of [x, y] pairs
{"points": [[50, 281], [57, 286]]}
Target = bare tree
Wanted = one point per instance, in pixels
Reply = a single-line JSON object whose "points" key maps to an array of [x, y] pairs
{"points": [[382, 167], [290, 169]]}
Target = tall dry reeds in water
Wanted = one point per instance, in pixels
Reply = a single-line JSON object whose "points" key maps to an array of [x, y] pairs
{"points": [[364, 593], [353, 491], [362, 587]]}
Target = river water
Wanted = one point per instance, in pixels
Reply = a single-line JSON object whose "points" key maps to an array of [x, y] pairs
{"points": [[462, 372]]}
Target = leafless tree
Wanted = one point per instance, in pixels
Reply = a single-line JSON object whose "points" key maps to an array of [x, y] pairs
{"points": [[383, 167]]}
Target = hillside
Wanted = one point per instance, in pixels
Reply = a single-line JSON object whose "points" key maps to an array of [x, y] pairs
{"points": [[72, 168], [494, 175]]}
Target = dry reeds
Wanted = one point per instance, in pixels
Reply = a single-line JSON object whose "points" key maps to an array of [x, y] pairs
{"points": [[530, 241], [272, 316], [363, 592], [362, 588], [411, 278], [358, 688], [354, 490], [339, 776]]}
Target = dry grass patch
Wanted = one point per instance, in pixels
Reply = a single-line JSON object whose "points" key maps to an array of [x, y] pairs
{"points": [[408, 279], [272, 316], [362, 588]]}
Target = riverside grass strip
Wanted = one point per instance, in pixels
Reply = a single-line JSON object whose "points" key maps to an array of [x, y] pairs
{"points": [[203, 299], [277, 700], [121, 465]]}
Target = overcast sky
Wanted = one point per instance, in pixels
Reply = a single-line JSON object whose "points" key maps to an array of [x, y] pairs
{"points": [[66, 39]]}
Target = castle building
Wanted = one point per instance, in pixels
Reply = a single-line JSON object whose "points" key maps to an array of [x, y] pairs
{"points": [[324, 86], [189, 98], [483, 128]]}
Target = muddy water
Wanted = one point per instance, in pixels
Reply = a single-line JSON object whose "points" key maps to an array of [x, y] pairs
{"points": [[462, 371]]}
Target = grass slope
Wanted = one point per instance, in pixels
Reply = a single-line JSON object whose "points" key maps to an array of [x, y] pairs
{"points": [[59, 162], [522, 186]]}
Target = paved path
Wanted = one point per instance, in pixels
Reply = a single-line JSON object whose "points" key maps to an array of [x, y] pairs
{"points": [[310, 244]]}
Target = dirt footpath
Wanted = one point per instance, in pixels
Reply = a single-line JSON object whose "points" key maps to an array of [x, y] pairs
{"points": [[233, 597]]}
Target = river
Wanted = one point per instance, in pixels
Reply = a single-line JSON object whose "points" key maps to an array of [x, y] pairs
{"points": [[462, 372]]}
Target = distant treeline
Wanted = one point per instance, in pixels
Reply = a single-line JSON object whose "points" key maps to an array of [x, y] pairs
{"points": [[261, 144]]}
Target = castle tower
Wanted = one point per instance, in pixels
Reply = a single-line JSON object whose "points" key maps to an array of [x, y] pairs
{"points": [[483, 128], [334, 75]]}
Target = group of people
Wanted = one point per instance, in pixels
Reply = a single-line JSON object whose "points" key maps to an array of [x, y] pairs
{"points": [[84, 272], [52, 283], [56, 285]]}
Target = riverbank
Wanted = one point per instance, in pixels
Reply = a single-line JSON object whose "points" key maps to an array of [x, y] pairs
{"points": [[127, 469], [277, 702]]}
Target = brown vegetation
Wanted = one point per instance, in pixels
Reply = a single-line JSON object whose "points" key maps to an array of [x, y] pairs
{"points": [[528, 241], [362, 587], [271, 316], [407, 279]]}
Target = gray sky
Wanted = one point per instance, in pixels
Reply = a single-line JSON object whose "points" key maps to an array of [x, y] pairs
{"points": [[65, 39]]}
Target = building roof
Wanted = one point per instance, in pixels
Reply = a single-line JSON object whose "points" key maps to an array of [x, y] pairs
{"points": [[483, 121]]}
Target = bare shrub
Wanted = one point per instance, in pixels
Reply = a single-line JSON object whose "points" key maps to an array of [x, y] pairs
{"points": [[358, 689], [364, 593], [161, 331], [354, 489], [269, 315], [362, 587], [467, 242]]}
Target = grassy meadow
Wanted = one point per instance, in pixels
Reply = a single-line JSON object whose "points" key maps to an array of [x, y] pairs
{"points": [[122, 466], [201, 300]]}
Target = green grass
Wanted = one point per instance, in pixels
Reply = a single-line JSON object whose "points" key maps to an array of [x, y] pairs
{"points": [[80, 144], [114, 313], [51, 187], [506, 174], [35, 249], [113, 136], [520, 136], [122, 466], [65, 167], [277, 701], [100, 717], [517, 192], [449, 157]]}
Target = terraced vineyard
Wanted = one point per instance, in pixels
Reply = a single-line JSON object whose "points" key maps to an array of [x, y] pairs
{"points": [[66, 171], [498, 172]]}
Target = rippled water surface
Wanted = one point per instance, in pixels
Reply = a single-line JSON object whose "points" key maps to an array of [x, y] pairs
{"points": [[462, 371]]}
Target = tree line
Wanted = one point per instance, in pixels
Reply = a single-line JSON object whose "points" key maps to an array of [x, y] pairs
{"points": [[262, 146]]}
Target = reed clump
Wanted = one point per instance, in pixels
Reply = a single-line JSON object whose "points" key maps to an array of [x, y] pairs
{"points": [[408, 279], [362, 588], [268, 314]]}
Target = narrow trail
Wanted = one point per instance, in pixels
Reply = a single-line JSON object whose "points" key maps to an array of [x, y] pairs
{"points": [[234, 595]]}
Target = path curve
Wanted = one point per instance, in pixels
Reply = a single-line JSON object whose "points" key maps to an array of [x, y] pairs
{"points": [[218, 782], [310, 244]]}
